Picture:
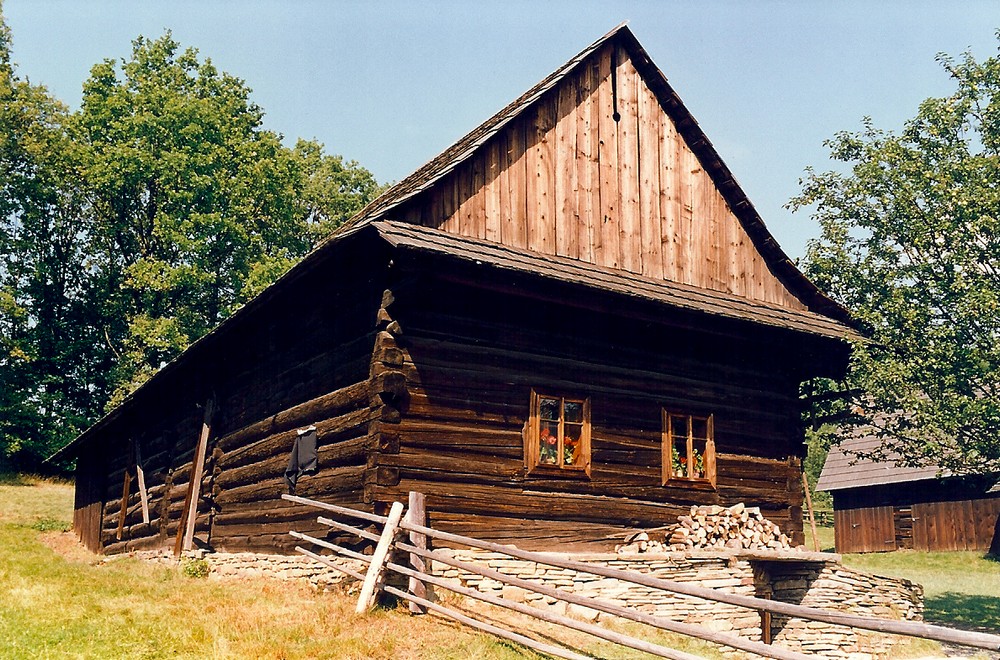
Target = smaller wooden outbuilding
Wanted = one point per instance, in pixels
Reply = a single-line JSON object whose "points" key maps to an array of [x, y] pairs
{"points": [[882, 506]]}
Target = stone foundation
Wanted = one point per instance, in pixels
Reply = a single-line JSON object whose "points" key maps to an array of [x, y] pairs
{"points": [[256, 565], [808, 579], [815, 582]]}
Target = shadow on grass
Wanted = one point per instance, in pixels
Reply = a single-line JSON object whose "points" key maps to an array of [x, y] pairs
{"points": [[12, 479], [966, 611], [33, 479]]}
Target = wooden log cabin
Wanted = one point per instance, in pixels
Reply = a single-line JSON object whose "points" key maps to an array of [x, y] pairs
{"points": [[570, 323], [881, 506]]}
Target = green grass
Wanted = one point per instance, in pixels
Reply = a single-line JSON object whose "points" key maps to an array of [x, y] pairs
{"points": [[823, 533], [961, 589], [57, 600]]}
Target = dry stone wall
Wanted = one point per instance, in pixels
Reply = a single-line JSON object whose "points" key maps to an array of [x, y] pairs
{"points": [[826, 584], [822, 584], [257, 565]]}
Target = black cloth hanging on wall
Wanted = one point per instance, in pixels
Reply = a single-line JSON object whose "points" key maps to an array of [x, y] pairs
{"points": [[303, 460]]}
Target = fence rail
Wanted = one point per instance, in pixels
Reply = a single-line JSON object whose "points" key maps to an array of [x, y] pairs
{"points": [[381, 562]]}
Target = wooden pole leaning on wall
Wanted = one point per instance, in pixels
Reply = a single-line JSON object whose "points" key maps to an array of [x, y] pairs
{"points": [[809, 507], [417, 515], [141, 477], [189, 515], [126, 484], [377, 567]]}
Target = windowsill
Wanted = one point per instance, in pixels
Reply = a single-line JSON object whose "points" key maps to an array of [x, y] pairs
{"points": [[550, 471], [696, 484]]}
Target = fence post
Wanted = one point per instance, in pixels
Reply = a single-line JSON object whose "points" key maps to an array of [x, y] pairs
{"points": [[764, 588], [809, 504], [417, 515], [374, 575]]}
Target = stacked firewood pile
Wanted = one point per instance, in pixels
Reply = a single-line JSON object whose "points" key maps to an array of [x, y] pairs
{"points": [[639, 542], [738, 527]]}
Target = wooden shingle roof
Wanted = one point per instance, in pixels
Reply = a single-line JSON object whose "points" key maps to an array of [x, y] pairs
{"points": [[844, 469], [407, 237]]}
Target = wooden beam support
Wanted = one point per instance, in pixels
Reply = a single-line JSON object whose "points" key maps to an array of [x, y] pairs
{"points": [[812, 516], [375, 570], [185, 528], [141, 476], [417, 514], [123, 510]]}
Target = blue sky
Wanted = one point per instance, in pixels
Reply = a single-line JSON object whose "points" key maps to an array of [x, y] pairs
{"points": [[391, 84]]}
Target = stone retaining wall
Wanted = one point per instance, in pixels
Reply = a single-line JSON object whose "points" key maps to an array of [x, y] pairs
{"points": [[826, 584], [257, 565]]}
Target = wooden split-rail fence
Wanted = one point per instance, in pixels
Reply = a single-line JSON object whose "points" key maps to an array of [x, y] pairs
{"points": [[408, 535]]}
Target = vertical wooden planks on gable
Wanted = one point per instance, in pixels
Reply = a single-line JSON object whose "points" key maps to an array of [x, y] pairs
{"points": [[466, 213], [669, 199], [565, 219], [712, 227], [478, 211], [743, 246], [449, 203], [733, 245], [434, 211], [587, 177], [491, 189], [701, 239], [629, 246], [649, 181], [606, 236], [540, 173], [760, 272], [503, 183], [514, 229], [683, 225]]}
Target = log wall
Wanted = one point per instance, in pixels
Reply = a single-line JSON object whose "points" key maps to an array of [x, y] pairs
{"points": [[471, 363], [88, 505], [306, 362], [565, 178]]}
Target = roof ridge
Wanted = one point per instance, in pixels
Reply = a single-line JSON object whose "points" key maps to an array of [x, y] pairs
{"points": [[694, 297]]}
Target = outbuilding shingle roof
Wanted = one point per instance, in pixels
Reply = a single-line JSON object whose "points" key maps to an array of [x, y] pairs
{"points": [[844, 469]]}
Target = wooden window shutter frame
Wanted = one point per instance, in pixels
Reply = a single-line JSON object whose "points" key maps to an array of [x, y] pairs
{"points": [[667, 450], [532, 437]]}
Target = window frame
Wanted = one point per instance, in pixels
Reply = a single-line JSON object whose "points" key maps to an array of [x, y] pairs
{"points": [[533, 437], [667, 448]]}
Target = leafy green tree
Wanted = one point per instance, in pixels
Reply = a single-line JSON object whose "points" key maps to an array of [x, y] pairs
{"points": [[196, 207], [133, 226], [911, 245], [44, 395]]}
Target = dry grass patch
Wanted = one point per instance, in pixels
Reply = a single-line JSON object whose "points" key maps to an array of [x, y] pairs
{"points": [[58, 600]]}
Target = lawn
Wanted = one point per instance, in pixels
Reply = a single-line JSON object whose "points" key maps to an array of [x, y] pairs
{"points": [[961, 589], [57, 600]]}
